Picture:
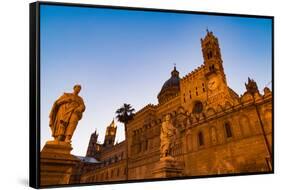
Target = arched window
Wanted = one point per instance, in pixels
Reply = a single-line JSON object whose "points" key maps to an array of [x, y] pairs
{"points": [[198, 107], [117, 174], [200, 138], [203, 87], [146, 145], [112, 173], [106, 175], [228, 130], [139, 148], [210, 55], [212, 68]]}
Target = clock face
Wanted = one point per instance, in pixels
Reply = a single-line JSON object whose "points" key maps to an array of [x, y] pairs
{"points": [[213, 83]]}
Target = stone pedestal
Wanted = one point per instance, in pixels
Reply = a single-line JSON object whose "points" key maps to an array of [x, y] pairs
{"points": [[168, 167], [56, 163]]}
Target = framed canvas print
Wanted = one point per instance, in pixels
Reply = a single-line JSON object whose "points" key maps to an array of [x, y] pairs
{"points": [[120, 94]]}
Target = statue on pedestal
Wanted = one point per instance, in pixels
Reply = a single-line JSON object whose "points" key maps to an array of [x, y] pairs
{"points": [[168, 166], [167, 137], [65, 114]]}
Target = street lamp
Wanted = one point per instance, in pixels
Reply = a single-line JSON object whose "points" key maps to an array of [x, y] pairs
{"points": [[252, 88]]}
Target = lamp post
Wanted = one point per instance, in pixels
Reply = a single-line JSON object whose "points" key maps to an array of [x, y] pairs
{"points": [[253, 89], [269, 159]]}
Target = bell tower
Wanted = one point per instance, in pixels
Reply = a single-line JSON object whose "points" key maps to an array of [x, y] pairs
{"points": [[92, 147], [218, 92], [212, 55], [110, 135]]}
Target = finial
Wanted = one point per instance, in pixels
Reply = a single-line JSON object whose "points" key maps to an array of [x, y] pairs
{"points": [[251, 86], [96, 132], [112, 124], [175, 72], [207, 29]]}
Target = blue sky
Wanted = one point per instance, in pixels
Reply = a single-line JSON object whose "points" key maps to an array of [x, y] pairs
{"points": [[121, 56]]}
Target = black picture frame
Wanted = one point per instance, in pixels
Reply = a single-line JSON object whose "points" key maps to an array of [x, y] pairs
{"points": [[34, 89]]}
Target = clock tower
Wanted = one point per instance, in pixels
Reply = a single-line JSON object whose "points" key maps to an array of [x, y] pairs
{"points": [[206, 86], [217, 90]]}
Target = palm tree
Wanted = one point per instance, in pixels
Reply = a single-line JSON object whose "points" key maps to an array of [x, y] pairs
{"points": [[124, 115]]}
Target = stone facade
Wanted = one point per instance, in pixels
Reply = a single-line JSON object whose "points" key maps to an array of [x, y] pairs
{"points": [[219, 132], [112, 158]]}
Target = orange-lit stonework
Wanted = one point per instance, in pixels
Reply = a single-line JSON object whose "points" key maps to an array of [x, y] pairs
{"points": [[216, 131]]}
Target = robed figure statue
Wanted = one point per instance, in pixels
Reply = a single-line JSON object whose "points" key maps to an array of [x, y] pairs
{"points": [[65, 114], [167, 137]]}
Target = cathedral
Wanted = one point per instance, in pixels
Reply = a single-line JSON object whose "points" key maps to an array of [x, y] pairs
{"points": [[217, 131]]}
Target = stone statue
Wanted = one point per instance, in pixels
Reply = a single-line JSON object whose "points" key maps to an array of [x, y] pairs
{"points": [[167, 137], [65, 114]]}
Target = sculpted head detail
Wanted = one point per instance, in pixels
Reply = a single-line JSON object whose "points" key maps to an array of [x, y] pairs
{"points": [[77, 89], [168, 117]]}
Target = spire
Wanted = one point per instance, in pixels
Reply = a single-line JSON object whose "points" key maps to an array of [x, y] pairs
{"points": [[175, 73], [112, 124], [208, 37], [251, 86], [95, 133], [110, 134]]}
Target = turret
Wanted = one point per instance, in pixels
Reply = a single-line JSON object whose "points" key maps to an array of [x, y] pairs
{"points": [[110, 135]]}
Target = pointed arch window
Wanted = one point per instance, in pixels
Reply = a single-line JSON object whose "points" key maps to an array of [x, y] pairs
{"points": [[146, 145], [117, 173], [112, 173], [200, 138], [198, 107], [209, 55], [228, 130]]}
